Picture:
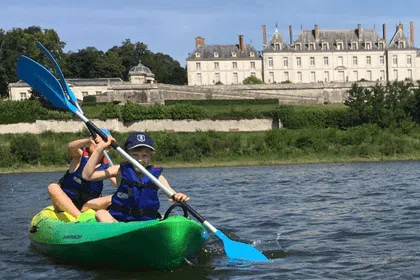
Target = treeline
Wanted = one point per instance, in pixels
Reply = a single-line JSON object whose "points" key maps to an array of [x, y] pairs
{"points": [[85, 63]]}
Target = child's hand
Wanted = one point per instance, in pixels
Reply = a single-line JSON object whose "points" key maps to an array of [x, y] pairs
{"points": [[180, 197], [101, 144]]}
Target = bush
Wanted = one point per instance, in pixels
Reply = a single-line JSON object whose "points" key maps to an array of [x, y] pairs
{"points": [[89, 100], [223, 102], [252, 80], [26, 148]]}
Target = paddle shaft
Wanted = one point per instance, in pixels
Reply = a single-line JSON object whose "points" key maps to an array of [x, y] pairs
{"points": [[140, 167]]}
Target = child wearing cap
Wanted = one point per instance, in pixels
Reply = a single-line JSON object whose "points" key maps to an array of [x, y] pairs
{"points": [[72, 192], [136, 198]]}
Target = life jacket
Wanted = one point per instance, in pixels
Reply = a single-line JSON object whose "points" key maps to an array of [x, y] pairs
{"points": [[78, 189], [135, 199]]}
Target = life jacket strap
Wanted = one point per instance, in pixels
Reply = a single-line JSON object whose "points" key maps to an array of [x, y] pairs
{"points": [[134, 211]]}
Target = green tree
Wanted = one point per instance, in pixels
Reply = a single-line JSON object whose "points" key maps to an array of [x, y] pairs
{"points": [[252, 80]]}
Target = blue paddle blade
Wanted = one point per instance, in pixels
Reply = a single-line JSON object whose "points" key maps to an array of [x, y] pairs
{"points": [[42, 80], [240, 251], [57, 68]]}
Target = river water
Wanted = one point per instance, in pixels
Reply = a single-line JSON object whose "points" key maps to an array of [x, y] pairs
{"points": [[330, 221]]}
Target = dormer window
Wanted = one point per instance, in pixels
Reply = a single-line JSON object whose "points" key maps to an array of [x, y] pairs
{"points": [[277, 46], [401, 44], [381, 45], [325, 46], [311, 46], [197, 54], [339, 45], [252, 54], [368, 45], [216, 54], [233, 54], [354, 45], [298, 46]]}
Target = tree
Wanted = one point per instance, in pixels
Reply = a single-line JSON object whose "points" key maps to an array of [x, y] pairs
{"points": [[252, 80]]}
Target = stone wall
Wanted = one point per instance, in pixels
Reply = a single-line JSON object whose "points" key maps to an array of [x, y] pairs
{"points": [[146, 125], [315, 93]]}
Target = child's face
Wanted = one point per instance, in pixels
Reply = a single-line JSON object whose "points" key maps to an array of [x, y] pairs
{"points": [[143, 155]]}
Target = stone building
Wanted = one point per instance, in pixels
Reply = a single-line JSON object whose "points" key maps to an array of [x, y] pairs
{"points": [[226, 64]]}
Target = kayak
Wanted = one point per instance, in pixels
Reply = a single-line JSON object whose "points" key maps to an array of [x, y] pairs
{"points": [[157, 244]]}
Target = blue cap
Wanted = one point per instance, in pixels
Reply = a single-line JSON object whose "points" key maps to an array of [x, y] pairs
{"points": [[139, 139]]}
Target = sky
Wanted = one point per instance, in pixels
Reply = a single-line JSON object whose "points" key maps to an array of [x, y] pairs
{"points": [[170, 26]]}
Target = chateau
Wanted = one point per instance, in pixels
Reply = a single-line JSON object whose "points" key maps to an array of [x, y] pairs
{"points": [[316, 56]]}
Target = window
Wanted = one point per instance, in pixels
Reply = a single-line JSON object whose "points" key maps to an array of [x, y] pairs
{"points": [[400, 44], [408, 60], [311, 46], [410, 74], [285, 76], [298, 61], [277, 47], [368, 45], [369, 75], [354, 45], [313, 77], [382, 75], [299, 77], [325, 46], [216, 66], [270, 62], [355, 76], [339, 46], [368, 60], [252, 54], [216, 77], [234, 54], [198, 78], [354, 60], [312, 61], [381, 45], [341, 76], [235, 78], [216, 54], [253, 74], [298, 46], [98, 92], [396, 74], [285, 62], [326, 60], [22, 95], [381, 60], [326, 76], [340, 61], [85, 93], [252, 65], [234, 65], [271, 77], [197, 54], [197, 66], [394, 60]]}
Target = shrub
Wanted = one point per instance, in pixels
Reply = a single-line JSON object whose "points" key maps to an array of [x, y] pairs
{"points": [[252, 80], [26, 147]]}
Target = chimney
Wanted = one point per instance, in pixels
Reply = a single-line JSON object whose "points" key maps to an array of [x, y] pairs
{"points": [[291, 34], [384, 31], [359, 31], [241, 43], [199, 41], [264, 35], [316, 32], [401, 26], [412, 33]]}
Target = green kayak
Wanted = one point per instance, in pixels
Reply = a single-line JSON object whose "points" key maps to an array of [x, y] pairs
{"points": [[156, 244]]}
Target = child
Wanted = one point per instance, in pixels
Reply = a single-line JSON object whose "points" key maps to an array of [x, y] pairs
{"points": [[72, 193], [136, 198]]}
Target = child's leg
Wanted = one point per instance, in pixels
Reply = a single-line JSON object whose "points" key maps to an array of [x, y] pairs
{"points": [[103, 216], [61, 200], [97, 203]]}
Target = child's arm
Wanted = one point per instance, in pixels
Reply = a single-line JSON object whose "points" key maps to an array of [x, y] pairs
{"points": [[178, 196], [75, 146], [89, 172]]}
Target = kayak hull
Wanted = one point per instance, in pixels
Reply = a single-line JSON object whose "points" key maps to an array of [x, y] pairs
{"points": [[152, 244]]}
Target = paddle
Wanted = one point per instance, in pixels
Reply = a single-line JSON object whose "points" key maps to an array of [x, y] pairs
{"points": [[44, 82], [66, 89]]}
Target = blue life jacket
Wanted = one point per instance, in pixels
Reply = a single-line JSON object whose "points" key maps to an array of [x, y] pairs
{"points": [[135, 199], [78, 189]]}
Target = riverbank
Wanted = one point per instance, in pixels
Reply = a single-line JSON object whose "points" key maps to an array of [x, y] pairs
{"points": [[25, 168]]}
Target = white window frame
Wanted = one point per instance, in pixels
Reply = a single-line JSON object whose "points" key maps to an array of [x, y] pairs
{"points": [[326, 61], [312, 61], [355, 75], [299, 77], [298, 61], [234, 65], [252, 64], [270, 62], [354, 45], [369, 75], [233, 54], [368, 60], [216, 65], [216, 54], [313, 77], [409, 60], [340, 61], [285, 62], [235, 79], [355, 60], [298, 46], [368, 45], [198, 66], [197, 54], [395, 60], [381, 59]]}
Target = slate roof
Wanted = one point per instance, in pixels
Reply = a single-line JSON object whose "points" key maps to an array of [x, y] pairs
{"points": [[224, 52]]}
